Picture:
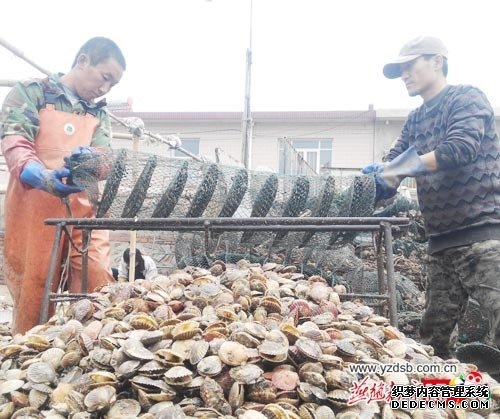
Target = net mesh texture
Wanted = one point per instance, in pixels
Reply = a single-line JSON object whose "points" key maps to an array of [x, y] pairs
{"points": [[127, 184]]}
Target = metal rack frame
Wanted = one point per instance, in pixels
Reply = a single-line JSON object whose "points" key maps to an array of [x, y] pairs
{"points": [[381, 225]]}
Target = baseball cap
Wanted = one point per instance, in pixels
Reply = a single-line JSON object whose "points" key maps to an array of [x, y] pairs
{"points": [[422, 45]]}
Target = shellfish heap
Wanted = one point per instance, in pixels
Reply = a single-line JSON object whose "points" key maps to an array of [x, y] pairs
{"points": [[243, 340]]}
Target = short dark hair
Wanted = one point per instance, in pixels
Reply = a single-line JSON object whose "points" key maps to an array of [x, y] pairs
{"points": [[139, 260], [99, 49], [445, 63]]}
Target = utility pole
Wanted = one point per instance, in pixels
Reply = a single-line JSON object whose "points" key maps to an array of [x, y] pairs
{"points": [[247, 122]]}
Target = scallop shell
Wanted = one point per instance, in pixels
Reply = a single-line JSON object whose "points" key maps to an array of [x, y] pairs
{"points": [[41, 372], [256, 329], [285, 380], [345, 348], [143, 321], [236, 395], [9, 386], [6, 410], [397, 347], [308, 348], [209, 366], [26, 413], [245, 339], [82, 310], [115, 312], [324, 412], [20, 399], [252, 414], [37, 342], [246, 374], [290, 331], [338, 397], [186, 330], [124, 408], [53, 356], [198, 351], [136, 350], [100, 378], [178, 376], [183, 347], [75, 401], [275, 411], [271, 304], [169, 357], [71, 359], [149, 384], [339, 379], [227, 314], [262, 391], [11, 350], [128, 368], [100, 398], [233, 353], [152, 368], [37, 399]]}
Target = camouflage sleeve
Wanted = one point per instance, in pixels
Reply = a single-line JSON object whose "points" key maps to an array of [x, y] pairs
{"points": [[469, 118], [20, 111], [102, 134], [399, 145]]}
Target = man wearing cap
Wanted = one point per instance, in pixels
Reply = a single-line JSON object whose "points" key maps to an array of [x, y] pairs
{"points": [[449, 144]]}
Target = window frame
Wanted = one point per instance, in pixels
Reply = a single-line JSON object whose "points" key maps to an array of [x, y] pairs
{"points": [[320, 146]]}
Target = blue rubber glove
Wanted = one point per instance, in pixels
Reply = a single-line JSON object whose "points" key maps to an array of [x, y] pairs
{"points": [[372, 168], [382, 190], [78, 155], [388, 176], [39, 177], [82, 150]]}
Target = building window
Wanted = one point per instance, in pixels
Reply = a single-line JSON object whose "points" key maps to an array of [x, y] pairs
{"points": [[306, 155], [190, 144]]}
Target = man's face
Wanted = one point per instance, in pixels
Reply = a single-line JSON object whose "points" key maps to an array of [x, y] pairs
{"points": [[420, 75], [94, 81]]}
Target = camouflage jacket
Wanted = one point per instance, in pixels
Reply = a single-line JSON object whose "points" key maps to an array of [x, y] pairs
{"points": [[21, 106]]}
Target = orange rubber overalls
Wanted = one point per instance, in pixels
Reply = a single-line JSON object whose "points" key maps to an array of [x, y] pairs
{"points": [[28, 241]]}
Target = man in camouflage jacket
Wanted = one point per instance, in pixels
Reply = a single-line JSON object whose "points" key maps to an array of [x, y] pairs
{"points": [[42, 122]]}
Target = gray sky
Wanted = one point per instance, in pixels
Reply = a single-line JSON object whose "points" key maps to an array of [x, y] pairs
{"points": [[189, 55]]}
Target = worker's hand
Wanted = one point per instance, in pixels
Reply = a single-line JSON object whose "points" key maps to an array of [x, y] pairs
{"points": [[371, 168], [389, 176], [39, 177], [382, 190], [83, 153], [93, 161]]}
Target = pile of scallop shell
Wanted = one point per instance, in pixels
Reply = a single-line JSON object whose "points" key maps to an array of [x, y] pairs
{"points": [[244, 341]]}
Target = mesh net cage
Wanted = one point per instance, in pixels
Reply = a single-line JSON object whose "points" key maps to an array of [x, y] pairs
{"points": [[149, 186]]}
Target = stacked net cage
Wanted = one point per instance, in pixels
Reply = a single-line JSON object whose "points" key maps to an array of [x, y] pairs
{"points": [[126, 184]]}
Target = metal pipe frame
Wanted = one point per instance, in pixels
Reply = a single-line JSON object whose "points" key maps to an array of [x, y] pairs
{"points": [[85, 259], [382, 225], [44, 309], [203, 223], [391, 282]]}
